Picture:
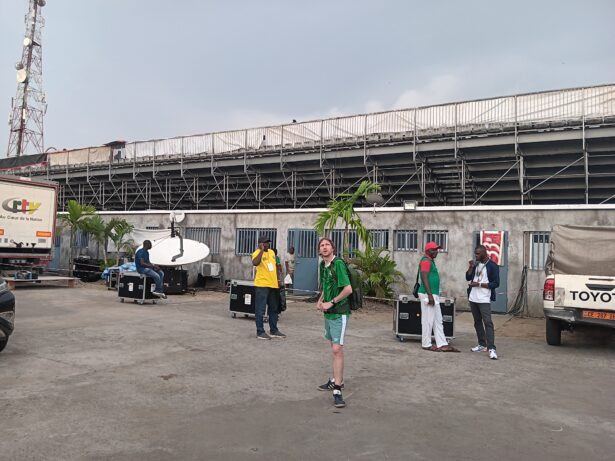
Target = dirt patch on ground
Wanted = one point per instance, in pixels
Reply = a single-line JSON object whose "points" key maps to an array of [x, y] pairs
{"points": [[522, 328]]}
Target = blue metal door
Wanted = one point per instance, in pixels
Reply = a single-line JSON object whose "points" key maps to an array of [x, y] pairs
{"points": [[306, 259], [56, 253], [500, 306]]}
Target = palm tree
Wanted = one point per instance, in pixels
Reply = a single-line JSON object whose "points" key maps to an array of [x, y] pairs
{"points": [[75, 219], [342, 207], [101, 232], [118, 235]]}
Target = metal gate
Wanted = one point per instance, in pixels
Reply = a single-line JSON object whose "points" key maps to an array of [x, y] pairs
{"points": [[501, 299], [306, 258], [56, 252]]}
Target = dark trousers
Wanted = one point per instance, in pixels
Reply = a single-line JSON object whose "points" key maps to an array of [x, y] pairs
{"points": [[157, 276], [482, 315], [266, 297]]}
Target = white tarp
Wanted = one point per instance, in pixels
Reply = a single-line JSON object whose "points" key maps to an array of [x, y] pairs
{"points": [[139, 235]]}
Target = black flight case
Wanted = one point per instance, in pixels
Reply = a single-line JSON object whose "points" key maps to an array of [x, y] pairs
{"points": [[135, 286], [243, 299], [175, 280], [407, 320]]}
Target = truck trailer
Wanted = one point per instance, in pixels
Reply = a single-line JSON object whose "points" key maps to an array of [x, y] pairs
{"points": [[27, 222]]}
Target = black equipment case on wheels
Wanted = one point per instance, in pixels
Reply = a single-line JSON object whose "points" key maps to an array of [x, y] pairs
{"points": [[175, 280], [407, 321], [243, 299], [135, 286]]}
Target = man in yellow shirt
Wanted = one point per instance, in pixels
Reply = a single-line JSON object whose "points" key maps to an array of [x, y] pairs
{"points": [[266, 289]]}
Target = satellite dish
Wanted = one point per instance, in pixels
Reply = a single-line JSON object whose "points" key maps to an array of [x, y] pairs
{"points": [[374, 198], [22, 75], [177, 216], [27, 41], [41, 2], [164, 250]]}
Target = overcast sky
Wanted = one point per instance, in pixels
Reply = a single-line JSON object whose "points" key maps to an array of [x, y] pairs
{"points": [[135, 69]]}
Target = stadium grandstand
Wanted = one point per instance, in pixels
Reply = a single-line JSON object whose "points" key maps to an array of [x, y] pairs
{"points": [[553, 147]]}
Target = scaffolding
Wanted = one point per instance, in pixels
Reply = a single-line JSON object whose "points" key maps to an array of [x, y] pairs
{"points": [[538, 148]]}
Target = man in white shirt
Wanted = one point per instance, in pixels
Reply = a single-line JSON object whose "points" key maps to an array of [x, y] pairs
{"points": [[484, 277]]}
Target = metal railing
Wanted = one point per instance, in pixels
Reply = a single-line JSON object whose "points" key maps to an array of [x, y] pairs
{"points": [[558, 106]]}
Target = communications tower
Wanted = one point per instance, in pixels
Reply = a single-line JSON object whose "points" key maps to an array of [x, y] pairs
{"points": [[29, 106]]}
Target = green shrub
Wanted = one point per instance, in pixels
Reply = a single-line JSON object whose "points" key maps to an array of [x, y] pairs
{"points": [[378, 272]]}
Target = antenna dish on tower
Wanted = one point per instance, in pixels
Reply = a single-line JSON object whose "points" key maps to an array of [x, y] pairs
{"points": [[22, 75]]}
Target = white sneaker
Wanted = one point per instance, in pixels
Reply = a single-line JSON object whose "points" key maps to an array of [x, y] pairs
{"points": [[479, 348], [160, 295], [493, 354]]}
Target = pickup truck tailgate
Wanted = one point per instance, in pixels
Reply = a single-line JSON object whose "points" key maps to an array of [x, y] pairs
{"points": [[585, 292]]}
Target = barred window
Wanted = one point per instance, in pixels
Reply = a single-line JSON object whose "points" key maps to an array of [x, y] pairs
{"points": [[406, 240], [438, 236], [539, 249], [210, 236], [82, 239], [246, 240], [337, 235], [380, 238]]}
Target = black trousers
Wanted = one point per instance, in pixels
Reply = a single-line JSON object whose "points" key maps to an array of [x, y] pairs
{"points": [[483, 324]]}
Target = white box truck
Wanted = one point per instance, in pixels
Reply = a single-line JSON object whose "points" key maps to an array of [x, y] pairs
{"points": [[580, 284], [27, 222]]}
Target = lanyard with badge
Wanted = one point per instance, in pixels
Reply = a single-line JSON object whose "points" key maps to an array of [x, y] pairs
{"points": [[478, 274], [270, 265]]}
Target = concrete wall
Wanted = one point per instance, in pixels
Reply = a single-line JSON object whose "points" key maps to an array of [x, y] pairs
{"points": [[460, 223]]}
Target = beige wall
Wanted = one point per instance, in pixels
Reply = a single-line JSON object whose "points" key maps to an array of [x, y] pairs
{"points": [[460, 225]]}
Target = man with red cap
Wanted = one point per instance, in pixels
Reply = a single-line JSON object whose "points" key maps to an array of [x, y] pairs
{"points": [[429, 294]]}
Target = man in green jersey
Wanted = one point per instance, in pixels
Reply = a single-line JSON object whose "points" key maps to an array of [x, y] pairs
{"points": [[333, 302]]}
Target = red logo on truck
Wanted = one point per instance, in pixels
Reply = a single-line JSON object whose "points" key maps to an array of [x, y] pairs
{"points": [[20, 205]]}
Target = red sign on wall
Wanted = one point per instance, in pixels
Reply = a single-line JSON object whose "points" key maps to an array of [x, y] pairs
{"points": [[493, 241]]}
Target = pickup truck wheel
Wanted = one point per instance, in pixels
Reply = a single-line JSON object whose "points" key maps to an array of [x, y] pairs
{"points": [[554, 332], [4, 339]]}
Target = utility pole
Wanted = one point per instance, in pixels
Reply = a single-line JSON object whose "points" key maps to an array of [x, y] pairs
{"points": [[29, 105]]}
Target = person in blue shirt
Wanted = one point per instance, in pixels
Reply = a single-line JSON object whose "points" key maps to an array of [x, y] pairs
{"points": [[145, 267]]}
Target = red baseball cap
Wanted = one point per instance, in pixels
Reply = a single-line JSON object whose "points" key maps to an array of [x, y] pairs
{"points": [[432, 246]]}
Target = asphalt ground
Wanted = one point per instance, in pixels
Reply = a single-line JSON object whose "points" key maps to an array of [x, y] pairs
{"points": [[87, 377]]}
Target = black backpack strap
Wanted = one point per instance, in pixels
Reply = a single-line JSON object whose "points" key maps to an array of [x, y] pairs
{"points": [[332, 269], [418, 269]]}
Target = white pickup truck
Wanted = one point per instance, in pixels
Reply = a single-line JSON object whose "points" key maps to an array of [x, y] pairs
{"points": [[580, 283]]}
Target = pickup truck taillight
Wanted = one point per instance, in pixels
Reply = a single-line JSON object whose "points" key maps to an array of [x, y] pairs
{"points": [[548, 292]]}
